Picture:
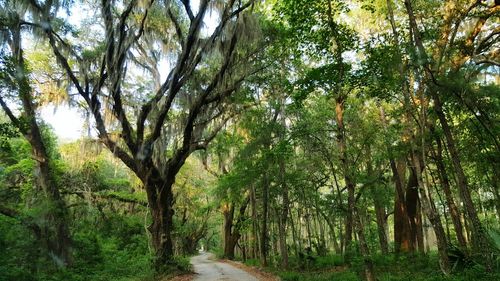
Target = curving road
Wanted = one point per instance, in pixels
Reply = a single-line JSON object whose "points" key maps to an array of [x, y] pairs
{"points": [[208, 269]]}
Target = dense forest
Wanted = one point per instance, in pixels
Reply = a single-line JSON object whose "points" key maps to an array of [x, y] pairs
{"points": [[308, 140]]}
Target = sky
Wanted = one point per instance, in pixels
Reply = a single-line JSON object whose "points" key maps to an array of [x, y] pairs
{"points": [[67, 123]]}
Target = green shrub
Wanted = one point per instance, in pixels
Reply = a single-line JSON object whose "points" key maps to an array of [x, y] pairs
{"points": [[290, 276], [318, 276], [183, 263], [252, 262], [328, 261], [345, 276], [87, 249]]}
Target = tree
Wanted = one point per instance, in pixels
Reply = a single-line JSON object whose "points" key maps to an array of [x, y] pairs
{"points": [[439, 67], [15, 87], [329, 43], [178, 116]]}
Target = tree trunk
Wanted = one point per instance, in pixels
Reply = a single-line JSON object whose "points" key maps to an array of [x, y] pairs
{"points": [[420, 230], [232, 232], [54, 231], [295, 235], [283, 217], [339, 205], [379, 208], [455, 214], [323, 249], [229, 242], [331, 226], [263, 233], [363, 247], [160, 198], [255, 231], [402, 241], [479, 237], [339, 110], [284, 189], [494, 183], [432, 214], [381, 229], [412, 204]]}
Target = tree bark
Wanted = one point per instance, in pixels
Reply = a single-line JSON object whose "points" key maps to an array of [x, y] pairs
{"points": [[363, 247], [402, 236], [445, 183], [381, 229], [160, 199], [339, 110], [494, 183], [255, 231], [480, 240], [284, 190], [229, 243], [380, 213], [232, 231], [432, 214], [283, 217], [412, 204], [263, 233]]}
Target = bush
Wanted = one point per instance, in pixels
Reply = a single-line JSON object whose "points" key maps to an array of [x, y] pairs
{"points": [[290, 276], [329, 261], [183, 263], [252, 262], [315, 276]]}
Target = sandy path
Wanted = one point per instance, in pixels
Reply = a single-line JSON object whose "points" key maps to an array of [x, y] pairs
{"points": [[208, 269]]}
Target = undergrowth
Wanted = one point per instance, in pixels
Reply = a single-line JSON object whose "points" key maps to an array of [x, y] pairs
{"points": [[388, 268]]}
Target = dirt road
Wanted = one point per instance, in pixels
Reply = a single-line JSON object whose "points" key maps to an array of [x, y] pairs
{"points": [[209, 269]]}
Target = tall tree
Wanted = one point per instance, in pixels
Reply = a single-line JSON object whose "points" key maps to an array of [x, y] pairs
{"points": [[179, 115], [433, 70], [15, 87]]}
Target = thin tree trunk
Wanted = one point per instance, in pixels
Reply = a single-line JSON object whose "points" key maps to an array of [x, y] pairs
{"points": [[336, 246], [381, 222], [263, 233], [308, 228], [420, 230], [433, 216], [494, 184], [363, 246], [480, 241], [294, 234], [412, 204], [443, 205], [479, 236], [320, 226], [455, 214], [379, 208], [339, 110], [255, 230], [284, 215], [402, 241], [299, 229], [339, 203]]}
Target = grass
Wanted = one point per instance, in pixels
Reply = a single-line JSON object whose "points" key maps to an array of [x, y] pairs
{"points": [[388, 268]]}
